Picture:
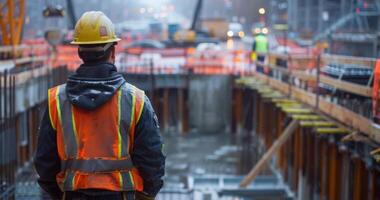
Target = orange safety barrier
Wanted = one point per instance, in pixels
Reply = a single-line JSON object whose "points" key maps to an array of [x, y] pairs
{"points": [[220, 62], [199, 62], [67, 55]]}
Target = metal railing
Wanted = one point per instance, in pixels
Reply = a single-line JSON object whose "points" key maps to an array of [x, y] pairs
{"points": [[8, 159], [18, 129]]}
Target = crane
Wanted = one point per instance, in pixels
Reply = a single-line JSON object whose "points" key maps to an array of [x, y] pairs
{"points": [[12, 13], [198, 8]]}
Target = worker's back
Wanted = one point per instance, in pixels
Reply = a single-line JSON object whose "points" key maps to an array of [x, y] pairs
{"points": [[95, 134], [99, 138]]}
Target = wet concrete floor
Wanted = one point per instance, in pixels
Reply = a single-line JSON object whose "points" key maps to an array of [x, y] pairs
{"points": [[209, 154]]}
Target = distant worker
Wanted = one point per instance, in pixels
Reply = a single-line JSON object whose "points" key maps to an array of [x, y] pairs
{"points": [[99, 138], [260, 47]]}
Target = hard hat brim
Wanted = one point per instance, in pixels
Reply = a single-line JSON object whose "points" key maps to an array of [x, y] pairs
{"points": [[96, 42]]}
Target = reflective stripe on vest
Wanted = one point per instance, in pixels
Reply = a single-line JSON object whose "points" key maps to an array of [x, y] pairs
{"points": [[130, 103], [96, 165], [67, 121]]}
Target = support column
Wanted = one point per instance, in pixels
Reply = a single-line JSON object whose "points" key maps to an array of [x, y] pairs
{"points": [[180, 100], [166, 110], [185, 107], [333, 178], [324, 170], [238, 110]]}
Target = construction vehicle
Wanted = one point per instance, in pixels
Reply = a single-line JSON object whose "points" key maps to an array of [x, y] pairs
{"points": [[54, 15], [217, 28], [193, 36]]}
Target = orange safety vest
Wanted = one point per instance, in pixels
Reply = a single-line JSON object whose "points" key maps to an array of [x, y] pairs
{"points": [[95, 145]]}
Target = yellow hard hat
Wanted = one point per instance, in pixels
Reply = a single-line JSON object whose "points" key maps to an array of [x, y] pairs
{"points": [[94, 27]]}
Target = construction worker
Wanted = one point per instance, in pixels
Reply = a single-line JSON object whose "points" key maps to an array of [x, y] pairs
{"points": [[99, 138], [260, 48]]}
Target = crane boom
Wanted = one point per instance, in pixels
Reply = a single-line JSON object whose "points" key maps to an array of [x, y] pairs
{"points": [[12, 13], [197, 13], [71, 14]]}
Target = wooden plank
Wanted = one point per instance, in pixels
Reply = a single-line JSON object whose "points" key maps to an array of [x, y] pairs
{"points": [[339, 84], [290, 129], [335, 111], [302, 75], [360, 61], [347, 86], [282, 88], [304, 96], [294, 56], [346, 116]]}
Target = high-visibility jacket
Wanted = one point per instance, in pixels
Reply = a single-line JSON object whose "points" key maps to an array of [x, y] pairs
{"points": [[261, 42], [94, 146]]}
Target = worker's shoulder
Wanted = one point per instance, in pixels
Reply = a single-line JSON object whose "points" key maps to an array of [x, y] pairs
{"points": [[57, 87], [131, 89]]}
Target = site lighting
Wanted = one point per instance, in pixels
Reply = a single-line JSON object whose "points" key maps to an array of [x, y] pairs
{"points": [[241, 34], [265, 31], [262, 11], [230, 33]]}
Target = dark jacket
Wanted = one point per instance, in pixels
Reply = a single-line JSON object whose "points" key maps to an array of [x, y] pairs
{"points": [[100, 82]]}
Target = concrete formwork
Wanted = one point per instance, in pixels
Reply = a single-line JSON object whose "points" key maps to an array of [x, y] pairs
{"points": [[201, 101], [210, 100]]}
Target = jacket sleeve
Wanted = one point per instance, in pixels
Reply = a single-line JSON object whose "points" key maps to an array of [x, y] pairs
{"points": [[147, 153], [46, 160]]}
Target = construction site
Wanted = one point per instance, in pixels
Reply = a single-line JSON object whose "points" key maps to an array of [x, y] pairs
{"points": [[253, 99]]}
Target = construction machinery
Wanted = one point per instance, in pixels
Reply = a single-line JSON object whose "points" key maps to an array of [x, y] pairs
{"points": [[217, 27], [194, 35], [11, 21]]}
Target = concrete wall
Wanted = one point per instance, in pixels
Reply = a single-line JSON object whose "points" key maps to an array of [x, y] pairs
{"points": [[209, 98], [210, 103]]}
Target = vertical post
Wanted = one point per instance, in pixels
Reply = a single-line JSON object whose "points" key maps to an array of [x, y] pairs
{"points": [[166, 109], [323, 174], [281, 157], [180, 110], [238, 110], [358, 177], [152, 79], [318, 80], [332, 179], [296, 161]]}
